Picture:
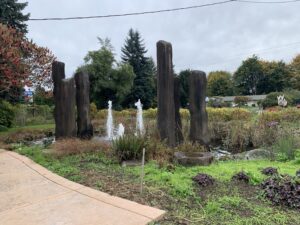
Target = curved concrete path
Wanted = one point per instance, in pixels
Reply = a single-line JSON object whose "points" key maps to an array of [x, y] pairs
{"points": [[32, 195]]}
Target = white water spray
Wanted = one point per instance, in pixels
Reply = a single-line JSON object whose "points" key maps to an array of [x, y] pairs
{"points": [[109, 122], [121, 130], [140, 130]]}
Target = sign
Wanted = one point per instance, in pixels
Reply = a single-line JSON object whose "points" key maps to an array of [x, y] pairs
{"points": [[28, 93]]}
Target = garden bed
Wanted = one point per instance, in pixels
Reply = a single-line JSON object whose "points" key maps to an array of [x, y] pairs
{"points": [[171, 187]]}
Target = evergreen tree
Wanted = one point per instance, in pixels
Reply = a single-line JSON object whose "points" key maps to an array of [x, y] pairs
{"points": [[109, 80], [143, 88], [184, 87], [11, 14]]}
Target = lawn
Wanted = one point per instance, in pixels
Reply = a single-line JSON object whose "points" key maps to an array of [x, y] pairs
{"points": [[171, 187]]}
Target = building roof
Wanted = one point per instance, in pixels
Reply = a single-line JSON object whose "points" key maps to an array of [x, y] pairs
{"points": [[250, 97]]}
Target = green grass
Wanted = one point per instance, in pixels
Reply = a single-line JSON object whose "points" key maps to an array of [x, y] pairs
{"points": [[180, 183]]}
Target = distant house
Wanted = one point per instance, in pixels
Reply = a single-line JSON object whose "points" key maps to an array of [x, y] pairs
{"points": [[253, 99]]}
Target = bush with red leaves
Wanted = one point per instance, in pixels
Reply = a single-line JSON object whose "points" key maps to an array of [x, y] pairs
{"points": [[241, 176], [282, 190], [269, 171], [203, 179]]}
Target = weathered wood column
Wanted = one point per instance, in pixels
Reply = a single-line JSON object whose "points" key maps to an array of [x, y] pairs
{"points": [[199, 118], [64, 98], [178, 124], [165, 93], [84, 126]]}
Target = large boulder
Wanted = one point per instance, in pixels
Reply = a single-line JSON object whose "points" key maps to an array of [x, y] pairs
{"points": [[255, 154]]}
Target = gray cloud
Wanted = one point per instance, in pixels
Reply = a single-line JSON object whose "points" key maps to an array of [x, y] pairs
{"points": [[214, 38]]}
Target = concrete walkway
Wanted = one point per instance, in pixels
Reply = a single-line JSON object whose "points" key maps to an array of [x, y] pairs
{"points": [[32, 195]]}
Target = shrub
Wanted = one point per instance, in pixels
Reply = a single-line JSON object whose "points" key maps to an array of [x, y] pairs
{"points": [[241, 176], [292, 97], [228, 114], [237, 136], [6, 114], [270, 100], [26, 135], [241, 100], [214, 114], [188, 146], [285, 147], [128, 147], [3, 128], [33, 115], [157, 150], [93, 109], [150, 113], [203, 179], [269, 171], [264, 135], [280, 115], [76, 146], [282, 190]]}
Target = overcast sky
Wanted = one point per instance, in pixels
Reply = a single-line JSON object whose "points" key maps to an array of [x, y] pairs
{"points": [[211, 38]]}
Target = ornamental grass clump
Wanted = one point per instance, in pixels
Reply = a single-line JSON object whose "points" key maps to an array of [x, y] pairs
{"points": [[129, 147]]}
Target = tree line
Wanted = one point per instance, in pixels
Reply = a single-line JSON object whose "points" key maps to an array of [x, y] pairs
{"points": [[125, 81], [256, 76]]}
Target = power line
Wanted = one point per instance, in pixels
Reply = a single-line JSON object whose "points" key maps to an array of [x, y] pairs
{"points": [[161, 10], [268, 2], [134, 13]]}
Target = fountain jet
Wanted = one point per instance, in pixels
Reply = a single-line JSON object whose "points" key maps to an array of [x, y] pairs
{"points": [[140, 130]]}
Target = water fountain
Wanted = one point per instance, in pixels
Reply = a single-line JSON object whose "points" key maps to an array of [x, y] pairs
{"points": [[282, 101], [111, 132], [121, 130], [110, 122], [140, 130]]}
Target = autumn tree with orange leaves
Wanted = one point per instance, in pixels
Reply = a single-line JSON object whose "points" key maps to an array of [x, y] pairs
{"points": [[22, 62]]}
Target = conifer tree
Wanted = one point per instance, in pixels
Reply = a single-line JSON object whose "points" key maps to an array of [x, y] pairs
{"points": [[143, 88], [12, 16]]}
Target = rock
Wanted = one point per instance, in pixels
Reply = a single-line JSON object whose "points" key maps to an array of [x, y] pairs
{"points": [[258, 154], [165, 93], [131, 163], [194, 158], [254, 154], [199, 118], [220, 154]]}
